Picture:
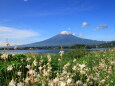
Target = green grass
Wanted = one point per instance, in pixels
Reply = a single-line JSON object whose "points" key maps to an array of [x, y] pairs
{"points": [[99, 64]]}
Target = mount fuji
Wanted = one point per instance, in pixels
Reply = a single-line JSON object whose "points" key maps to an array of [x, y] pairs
{"points": [[64, 38]]}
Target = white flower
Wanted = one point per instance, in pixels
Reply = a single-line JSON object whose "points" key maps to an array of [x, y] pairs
{"points": [[82, 72], [74, 68], [9, 68], [49, 58], [27, 79], [56, 80], [95, 78], [85, 84], [28, 66], [40, 68], [69, 81], [45, 73], [31, 71], [59, 60], [64, 72], [4, 56], [13, 54], [101, 66], [79, 83], [28, 59], [35, 63], [82, 66], [12, 83], [112, 62], [35, 79], [68, 64], [90, 77], [97, 74], [50, 83], [74, 60], [61, 53], [62, 84], [19, 73], [20, 84], [102, 81]]}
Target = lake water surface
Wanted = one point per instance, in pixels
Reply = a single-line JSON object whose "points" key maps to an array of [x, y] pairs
{"points": [[53, 51], [43, 51]]}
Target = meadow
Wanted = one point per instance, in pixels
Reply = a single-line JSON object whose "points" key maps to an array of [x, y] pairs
{"points": [[75, 68]]}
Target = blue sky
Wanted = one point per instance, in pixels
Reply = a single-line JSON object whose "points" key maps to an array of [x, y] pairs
{"points": [[27, 21]]}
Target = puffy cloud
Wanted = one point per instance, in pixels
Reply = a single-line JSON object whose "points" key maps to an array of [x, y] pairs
{"points": [[66, 33], [102, 27], [84, 24], [13, 33]]}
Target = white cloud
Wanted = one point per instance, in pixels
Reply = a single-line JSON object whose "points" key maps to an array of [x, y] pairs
{"points": [[84, 24], [13, 33], [66, 33], [11, 44], [102, 27]]}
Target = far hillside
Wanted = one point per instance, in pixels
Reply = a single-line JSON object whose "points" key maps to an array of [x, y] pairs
{"points": [[107, 45]]}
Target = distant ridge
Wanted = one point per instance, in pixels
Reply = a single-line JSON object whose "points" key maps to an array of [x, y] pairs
{"points": [[63, 39]]}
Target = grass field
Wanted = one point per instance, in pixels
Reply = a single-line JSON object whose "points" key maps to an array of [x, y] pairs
{"points": [[75, 68]]}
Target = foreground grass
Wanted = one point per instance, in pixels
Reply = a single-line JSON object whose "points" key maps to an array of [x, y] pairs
{"points": [[75, 68]]}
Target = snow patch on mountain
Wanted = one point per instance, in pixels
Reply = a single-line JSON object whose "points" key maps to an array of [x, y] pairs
{"points": [[66, 33]]}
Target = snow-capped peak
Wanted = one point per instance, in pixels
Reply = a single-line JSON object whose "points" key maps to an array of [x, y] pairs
{"points": [[66, 33]]}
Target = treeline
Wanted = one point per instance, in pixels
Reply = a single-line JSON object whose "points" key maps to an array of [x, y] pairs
{"points": [[51, 47], [76, 46], [107, 45]]}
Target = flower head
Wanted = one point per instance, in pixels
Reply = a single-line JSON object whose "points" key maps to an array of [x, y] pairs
{"points": [[12, 83], [20, 84], [9, 68]]}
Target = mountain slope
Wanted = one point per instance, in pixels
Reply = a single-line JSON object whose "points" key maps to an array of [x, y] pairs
{"points": [[62, 39]]}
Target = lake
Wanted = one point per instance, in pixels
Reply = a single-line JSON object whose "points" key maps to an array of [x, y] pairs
{"points": [[44, 51], [53, 51]]}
